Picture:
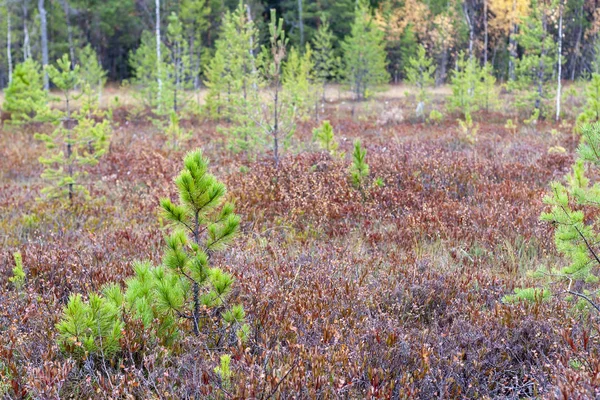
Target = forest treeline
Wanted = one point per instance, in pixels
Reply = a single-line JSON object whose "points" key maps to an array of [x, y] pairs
{"points": [[490, 30]]}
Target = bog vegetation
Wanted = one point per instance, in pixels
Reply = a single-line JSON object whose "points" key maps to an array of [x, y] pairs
{"points": [[300, 199]]}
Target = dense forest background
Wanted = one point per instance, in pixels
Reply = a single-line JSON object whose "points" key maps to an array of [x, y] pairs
{"points": [[488, 29]]}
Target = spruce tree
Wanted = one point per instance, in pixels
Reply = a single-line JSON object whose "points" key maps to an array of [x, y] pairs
{"points": [[25, 97], [420, 72], [364, 53], [77, 140]]}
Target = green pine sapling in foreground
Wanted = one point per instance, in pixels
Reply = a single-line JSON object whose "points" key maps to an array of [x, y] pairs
{"points": [[77, 140], [575, 235], [359, 170], [25, 97], [182, 294]]}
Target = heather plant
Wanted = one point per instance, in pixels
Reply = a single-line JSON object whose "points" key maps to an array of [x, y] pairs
{"points": [[76, 142], [575, 234], [25, 97], [324, 136]]}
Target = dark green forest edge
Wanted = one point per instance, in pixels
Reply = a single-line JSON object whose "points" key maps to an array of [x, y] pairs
{"points": [[401, 199]]}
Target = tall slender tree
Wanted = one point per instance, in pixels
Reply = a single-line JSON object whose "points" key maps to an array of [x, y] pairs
{"points": [[364, 53]]}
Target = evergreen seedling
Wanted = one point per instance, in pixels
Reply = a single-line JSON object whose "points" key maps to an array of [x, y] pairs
{"points": [[419, 73], [359, 170], [325, 137], [575, 235], [77, 141], [25, 97]]}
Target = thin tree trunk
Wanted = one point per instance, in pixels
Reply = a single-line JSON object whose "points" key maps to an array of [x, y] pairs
{"points": [[9, 44], [471, 29], [301, 23], [485, 32], [558, 85], [577, 43], [67, 11], [158, 55], [26, 45], [44, 34]]}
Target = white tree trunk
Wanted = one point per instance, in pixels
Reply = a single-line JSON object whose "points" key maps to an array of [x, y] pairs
{"points": [[26, 45], [9, 44], [558, 85], [158, 55], [301, 23], [485, 32], [44, 34]]}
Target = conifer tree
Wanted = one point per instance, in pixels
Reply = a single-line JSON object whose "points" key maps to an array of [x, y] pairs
{"points": [[178, 70], [359, 170], [420, 72], [298, 80], [364, 53], [183, 293], [93, 76], [575, 235], [231, 75], [325, 137], [77, 141], [277, 115], [535, 68], [323, 54], [465, 84], [146, 74], [591, 112], [25, 97]]}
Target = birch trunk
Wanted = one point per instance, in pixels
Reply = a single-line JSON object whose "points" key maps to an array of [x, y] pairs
{"points": [[9, 44], [44, 34], [158, 55], [558, 84]]}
